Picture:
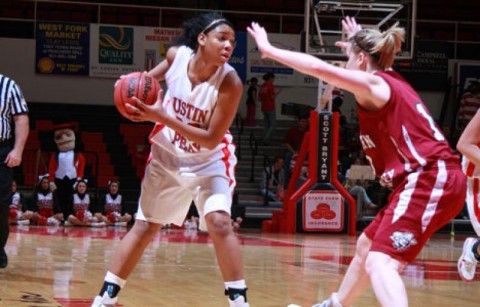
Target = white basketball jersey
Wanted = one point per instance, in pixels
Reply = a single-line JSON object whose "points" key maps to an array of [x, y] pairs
{"points": [[192, 107]]}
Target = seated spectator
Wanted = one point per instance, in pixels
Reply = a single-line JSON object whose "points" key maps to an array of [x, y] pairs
{"points": [[272, 183], [44, 204], [303, 172], [82, 216], [356, 188], [112, 206], [19, 214]]}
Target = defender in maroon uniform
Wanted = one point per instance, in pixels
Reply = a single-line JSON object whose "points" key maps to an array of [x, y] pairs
{"points": [[406, 149]]}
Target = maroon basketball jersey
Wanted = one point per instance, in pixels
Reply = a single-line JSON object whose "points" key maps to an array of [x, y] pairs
{"points": [[402, 136]]}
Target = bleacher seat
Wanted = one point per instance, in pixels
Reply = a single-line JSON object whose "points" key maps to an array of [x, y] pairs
{"points": [[33, 142], [95, 147], [91, 137], [43, 125]]}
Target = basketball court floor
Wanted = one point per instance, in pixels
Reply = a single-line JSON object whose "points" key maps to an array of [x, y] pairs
{"points": [[65, 266]]}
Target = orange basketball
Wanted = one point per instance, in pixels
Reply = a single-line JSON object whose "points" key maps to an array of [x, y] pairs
{"points": [[135, 84]]}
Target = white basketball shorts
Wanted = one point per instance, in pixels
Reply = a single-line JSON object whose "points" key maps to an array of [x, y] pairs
{"points": [[168, 188]]}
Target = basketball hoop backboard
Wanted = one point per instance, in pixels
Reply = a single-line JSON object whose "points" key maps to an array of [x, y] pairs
{"points": [[323, 23]]}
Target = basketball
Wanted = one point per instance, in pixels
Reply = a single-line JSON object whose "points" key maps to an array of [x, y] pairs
{"points": [[135, 84]]}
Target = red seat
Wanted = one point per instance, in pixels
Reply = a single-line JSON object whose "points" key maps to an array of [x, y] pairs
{"points": [[91, 137], [103, 158], [44, 125], [102, 181], [106, 170], [32, 144], [95, 147], [134, 129], [33, 164]]}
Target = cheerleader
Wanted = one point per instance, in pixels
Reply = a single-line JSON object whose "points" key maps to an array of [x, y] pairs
{"points": [[113, 211], [19, 214], [44, 205], [82, 216]]}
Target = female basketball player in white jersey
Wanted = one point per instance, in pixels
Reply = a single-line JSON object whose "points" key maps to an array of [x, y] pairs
{"points": [[468, 145], [192, 155], [406, 149]]}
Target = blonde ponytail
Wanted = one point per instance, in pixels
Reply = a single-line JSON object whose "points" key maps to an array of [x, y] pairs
{"points": [[381, 46], [389, 44]]}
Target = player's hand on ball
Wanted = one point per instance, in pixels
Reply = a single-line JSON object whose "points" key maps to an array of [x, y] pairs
{"points": [[141, 112]]}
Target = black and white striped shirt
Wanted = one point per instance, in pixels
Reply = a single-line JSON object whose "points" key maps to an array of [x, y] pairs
{"points": [[12, 103]]}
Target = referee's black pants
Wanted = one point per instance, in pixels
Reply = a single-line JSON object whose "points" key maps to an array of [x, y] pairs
{"points": [[6, 178]]}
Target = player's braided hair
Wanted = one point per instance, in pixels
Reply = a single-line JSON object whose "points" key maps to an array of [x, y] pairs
{"points": [[202, 23]]}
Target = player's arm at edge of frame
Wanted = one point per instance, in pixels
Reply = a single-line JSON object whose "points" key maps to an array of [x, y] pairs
{"points": [[470, 139]]}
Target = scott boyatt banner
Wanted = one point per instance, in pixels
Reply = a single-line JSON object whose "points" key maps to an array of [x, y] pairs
{"points": [[62, 48]]}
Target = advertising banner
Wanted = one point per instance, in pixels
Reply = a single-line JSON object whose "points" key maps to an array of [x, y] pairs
{"points": [[62, 48], [323, 211]]}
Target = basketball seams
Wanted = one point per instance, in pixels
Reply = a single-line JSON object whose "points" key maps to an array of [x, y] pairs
{"points": [[136, 86], [140, 84]]}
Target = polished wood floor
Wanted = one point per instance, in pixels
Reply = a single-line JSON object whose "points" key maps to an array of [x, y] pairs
{"points": [[65, 267]]}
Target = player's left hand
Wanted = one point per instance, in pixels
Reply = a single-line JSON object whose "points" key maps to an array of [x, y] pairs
{"points": [[141, 112], [260, 35]]}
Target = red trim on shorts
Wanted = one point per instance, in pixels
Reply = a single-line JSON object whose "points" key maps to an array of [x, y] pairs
{"points": [[158, 127], [226, 157], [470, 169], [476, 191]]}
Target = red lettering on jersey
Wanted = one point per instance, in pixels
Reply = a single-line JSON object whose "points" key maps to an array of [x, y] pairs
{"points": [[189, 111], [185, 144]]}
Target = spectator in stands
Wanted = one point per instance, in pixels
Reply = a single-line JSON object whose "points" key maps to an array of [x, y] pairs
{"points": [[469, 146], [14, 127], [19, 213], [192, 155], [469, 104], [44, 204], [267, 96], [112, 206], [356, 188], [272, 183], [303, 171], [81, 207], [413, 158], [293, 140], [252, 95]]}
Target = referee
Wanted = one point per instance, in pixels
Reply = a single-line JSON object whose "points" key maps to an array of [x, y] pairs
{"points": [[13, 126]]}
